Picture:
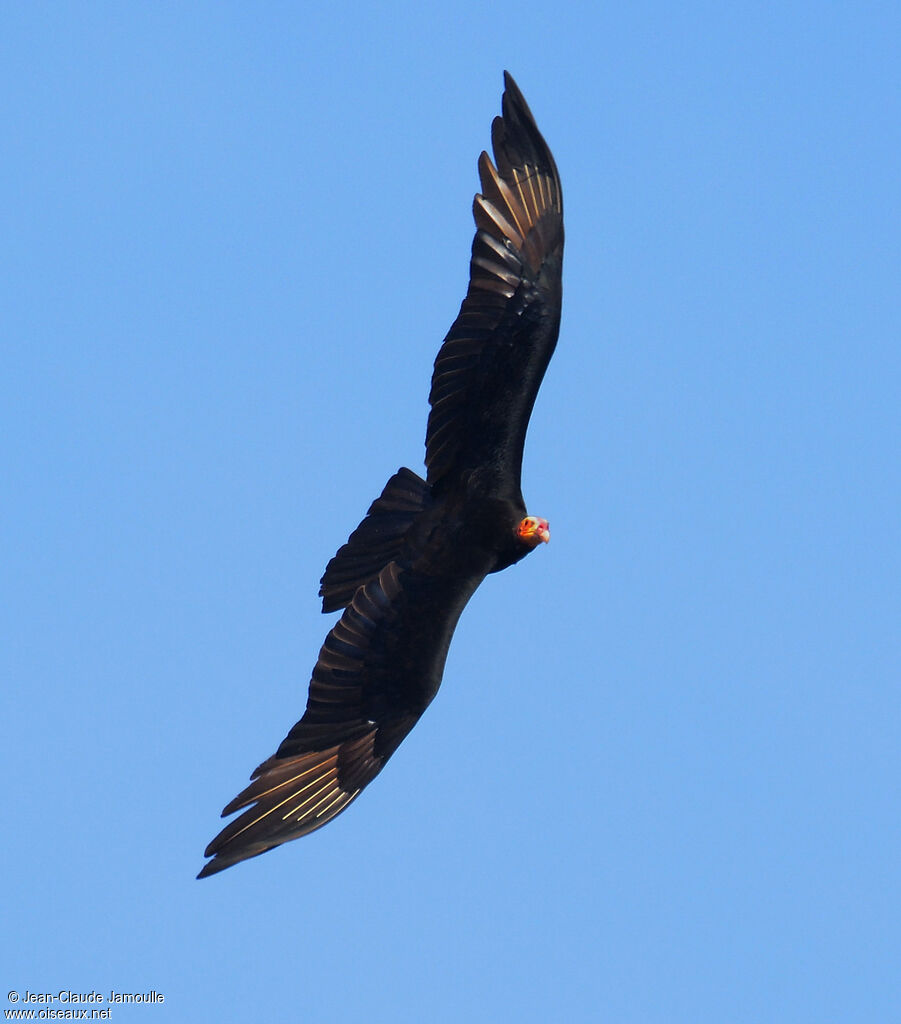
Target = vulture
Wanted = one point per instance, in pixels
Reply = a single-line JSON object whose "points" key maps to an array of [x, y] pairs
{"points": [[407, 571]]}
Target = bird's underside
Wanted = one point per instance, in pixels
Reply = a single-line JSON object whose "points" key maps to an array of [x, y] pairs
{"points": [[407, 571]]}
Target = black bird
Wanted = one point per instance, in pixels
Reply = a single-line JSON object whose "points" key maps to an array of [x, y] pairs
{"points": [[409, 568]]}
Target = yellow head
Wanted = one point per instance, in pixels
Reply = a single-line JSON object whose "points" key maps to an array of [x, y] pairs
{"points": [[534, 531]]}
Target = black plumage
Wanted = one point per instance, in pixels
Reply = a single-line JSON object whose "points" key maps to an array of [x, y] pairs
{"points": [[407, 571]]}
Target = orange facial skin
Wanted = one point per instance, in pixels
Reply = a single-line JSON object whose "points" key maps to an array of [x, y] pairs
{"points": [[534, 531]]}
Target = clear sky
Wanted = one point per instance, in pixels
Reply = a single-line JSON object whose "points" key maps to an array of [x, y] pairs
{"points": [[661, 781]]}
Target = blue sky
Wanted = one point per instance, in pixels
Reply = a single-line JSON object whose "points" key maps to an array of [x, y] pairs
{"points": [[661, 780]]}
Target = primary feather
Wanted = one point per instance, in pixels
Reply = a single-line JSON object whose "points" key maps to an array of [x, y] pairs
{"points": [[407, 571]]}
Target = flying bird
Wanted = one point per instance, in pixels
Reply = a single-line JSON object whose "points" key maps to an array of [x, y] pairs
{"points": [[407, 571]]}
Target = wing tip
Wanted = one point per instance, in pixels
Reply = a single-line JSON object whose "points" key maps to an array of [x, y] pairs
{"points": [[513, 93], [517, 141], [293, 796]]}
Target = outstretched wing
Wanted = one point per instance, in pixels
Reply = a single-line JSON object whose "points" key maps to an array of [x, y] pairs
{"points": [[377, 671], [493, 359]]}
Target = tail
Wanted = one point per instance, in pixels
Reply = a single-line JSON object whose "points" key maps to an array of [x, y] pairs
{"points": [[378, 540]]}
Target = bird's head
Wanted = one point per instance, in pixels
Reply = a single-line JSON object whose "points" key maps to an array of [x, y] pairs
{"points": [[533, 531]]}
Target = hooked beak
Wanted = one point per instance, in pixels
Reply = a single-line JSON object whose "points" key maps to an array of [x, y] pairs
{"points": [[534, 530]]}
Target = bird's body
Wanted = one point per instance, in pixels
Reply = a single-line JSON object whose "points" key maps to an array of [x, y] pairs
{"points": [[424, 547]]}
